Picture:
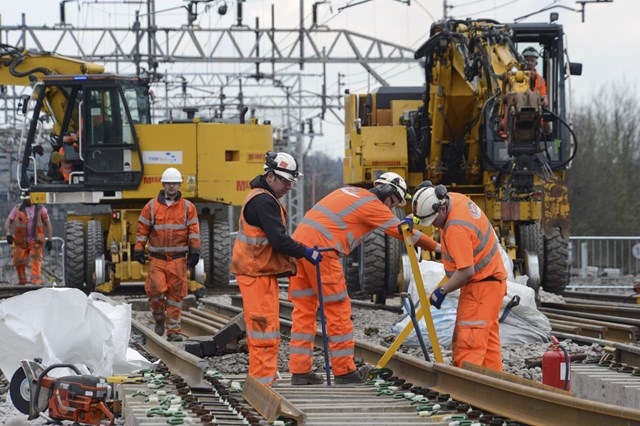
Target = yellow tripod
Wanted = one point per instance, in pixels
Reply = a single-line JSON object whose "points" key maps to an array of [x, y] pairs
{"points": [[424, 310]]}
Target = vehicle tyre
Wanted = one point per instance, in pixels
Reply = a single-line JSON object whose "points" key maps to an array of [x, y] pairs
{"points": [[531, 240], [205, 250], [74, 254], [556, 272], [93, 249], [220, 253], [374, 246]]}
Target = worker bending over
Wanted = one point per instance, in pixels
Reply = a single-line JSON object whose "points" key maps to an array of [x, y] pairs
{"points": [[340, 221], [31, 222], [263, 251], [169, 223], [472, 262]]}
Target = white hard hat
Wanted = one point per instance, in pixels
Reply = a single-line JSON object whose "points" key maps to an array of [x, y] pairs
{"points": [[171, 175], [427, 202], [530, 51], [24, 195], [397, 184], [282, 164]]}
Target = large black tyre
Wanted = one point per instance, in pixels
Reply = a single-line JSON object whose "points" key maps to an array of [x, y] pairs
{"points": [[220, 253], [394, 249], [374, 246], [74, 254], [556, 272], [205, 250], [93, 249], [531, 240]]}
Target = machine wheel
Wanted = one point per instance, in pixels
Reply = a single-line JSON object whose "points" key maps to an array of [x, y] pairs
{"points": [[74, 254], [556, 270], [531, 240], [351, 271], [93, 249], [220, 253], [205, 249], [372, 281], [19, 391]]}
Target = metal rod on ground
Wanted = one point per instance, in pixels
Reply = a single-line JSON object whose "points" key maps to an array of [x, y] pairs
{"points": [[323, 321], [411, 310]]}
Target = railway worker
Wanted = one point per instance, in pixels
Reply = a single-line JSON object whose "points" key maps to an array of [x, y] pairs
{"points": [[169, 223], [263, 251], [473, 264], [538, 84], [31, 224], [340, 221]]}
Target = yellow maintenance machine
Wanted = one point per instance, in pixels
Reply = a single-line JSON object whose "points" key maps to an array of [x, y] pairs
{"points": [[103, 149], [481, 127]]}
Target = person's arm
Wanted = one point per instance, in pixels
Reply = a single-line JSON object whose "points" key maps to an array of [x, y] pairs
{"points": [[47, 221], [193, 229], [143, 228], [7, 226], [459, 278]]}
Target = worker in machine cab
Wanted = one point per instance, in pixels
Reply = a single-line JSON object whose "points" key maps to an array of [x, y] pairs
{"points": [[169, 224], [68, 154], [472, 262], [538, 84], [340, 221], [263, 252], [31, 224]]}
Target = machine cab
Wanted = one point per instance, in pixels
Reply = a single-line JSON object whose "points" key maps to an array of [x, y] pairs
{"points": [[93, 144]]}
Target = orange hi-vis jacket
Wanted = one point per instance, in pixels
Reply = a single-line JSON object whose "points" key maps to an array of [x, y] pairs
{"points": [[172, 231], [252, 254], [466, 222], [21, 224], [343, 218], [539, 85]]}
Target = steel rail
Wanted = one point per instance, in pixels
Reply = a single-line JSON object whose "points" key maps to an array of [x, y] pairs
{"points": [[632, 298], [607, 309]]}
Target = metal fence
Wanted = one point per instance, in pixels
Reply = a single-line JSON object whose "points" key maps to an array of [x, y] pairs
{"points": [[52, 264], [604, 256]]}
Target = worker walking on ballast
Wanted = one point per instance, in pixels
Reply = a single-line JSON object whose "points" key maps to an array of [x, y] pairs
{"points": [[263, 251], [340, 221], [31, 223], [169, 223]]}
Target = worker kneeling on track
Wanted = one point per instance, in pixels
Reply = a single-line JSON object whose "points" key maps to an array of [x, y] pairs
{"points": [[473, 264], [340, 221], [169, 223], [263, 251]]}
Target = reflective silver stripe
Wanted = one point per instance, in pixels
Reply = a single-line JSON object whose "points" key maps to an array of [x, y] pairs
{"points": [[158, 316], [351, 239], [251, 240], [335, 297], [342, 352], [21, 226], [187, 203], [142, 239], [335, 218], [446, 256], [303, 293], [485, 260], [151, 212], [483, 241], [394, 221], [171, 322], [303, 336], [192, 221], [338, 247], [356, 205], [472, 323], [318, 227], [263, 335], [265, 380], [297, 350], [341, 338], [158, 299], [174, 303], [180, 249], [194, 236], [416, 237], [169, 226], [144, 220]]}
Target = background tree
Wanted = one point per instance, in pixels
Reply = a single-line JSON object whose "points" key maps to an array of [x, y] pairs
{"points": [[322, 174]]}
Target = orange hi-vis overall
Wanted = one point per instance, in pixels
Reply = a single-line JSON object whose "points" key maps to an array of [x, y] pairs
{"points": [[172, 232], [257, 267], [340, 221], [23, 249], [468, 239]]}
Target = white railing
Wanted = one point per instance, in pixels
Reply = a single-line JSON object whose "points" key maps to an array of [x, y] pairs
{"points": [[604, 256]]}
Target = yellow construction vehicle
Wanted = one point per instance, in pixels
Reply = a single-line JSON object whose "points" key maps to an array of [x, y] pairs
{"points": [[103, 149], [481, 127]]}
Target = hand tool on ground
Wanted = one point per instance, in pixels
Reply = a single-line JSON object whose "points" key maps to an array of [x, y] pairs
{"points": [[515, 301], [407, 301], [323, 321], [423, 311]]}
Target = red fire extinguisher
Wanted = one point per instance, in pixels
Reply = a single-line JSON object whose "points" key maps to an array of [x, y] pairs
{"points": [[556, 366]]}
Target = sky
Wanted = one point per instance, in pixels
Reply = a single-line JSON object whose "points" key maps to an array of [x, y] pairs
{"points": [[606, 43]]}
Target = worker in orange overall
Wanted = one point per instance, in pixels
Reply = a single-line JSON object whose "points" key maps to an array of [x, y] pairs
{"points": [[340, 221], [70, 142], [538, 84], [263, 252], [472, 262], [31, 223], [169, 223]]}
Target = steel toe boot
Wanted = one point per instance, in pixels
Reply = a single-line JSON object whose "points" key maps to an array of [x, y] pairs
{"points": [[359, 376], [159, 328], [175, 337], [306, 379]]}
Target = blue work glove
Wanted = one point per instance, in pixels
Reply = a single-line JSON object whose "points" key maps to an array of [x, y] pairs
{"points": [[139, 256], [437, 297], [48, 245], [409, 221], [193, 259], [312, 255]]}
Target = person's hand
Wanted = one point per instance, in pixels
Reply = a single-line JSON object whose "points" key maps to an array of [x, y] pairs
{"points": [[409, 221], [138, 255], [9, 239], [437, 297], [312, 255], [48, 245], [193, 259]]}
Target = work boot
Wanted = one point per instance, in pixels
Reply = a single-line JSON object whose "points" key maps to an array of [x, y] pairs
{"points": [[175, 337], [359, 376], [159, 328], [306, 379]]}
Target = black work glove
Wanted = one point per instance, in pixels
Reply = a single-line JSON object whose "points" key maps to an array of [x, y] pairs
{"points": [[9, 239], [48, 245], [139, 256], [193, 259]]}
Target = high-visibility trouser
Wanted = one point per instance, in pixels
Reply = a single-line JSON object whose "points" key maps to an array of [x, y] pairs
{"points": [[303, 293], [166, 286], [476, 337], [261, 306], [21, 258]]}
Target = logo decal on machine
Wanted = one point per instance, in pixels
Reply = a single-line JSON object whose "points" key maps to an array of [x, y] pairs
{"points": [[162, 157]]}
